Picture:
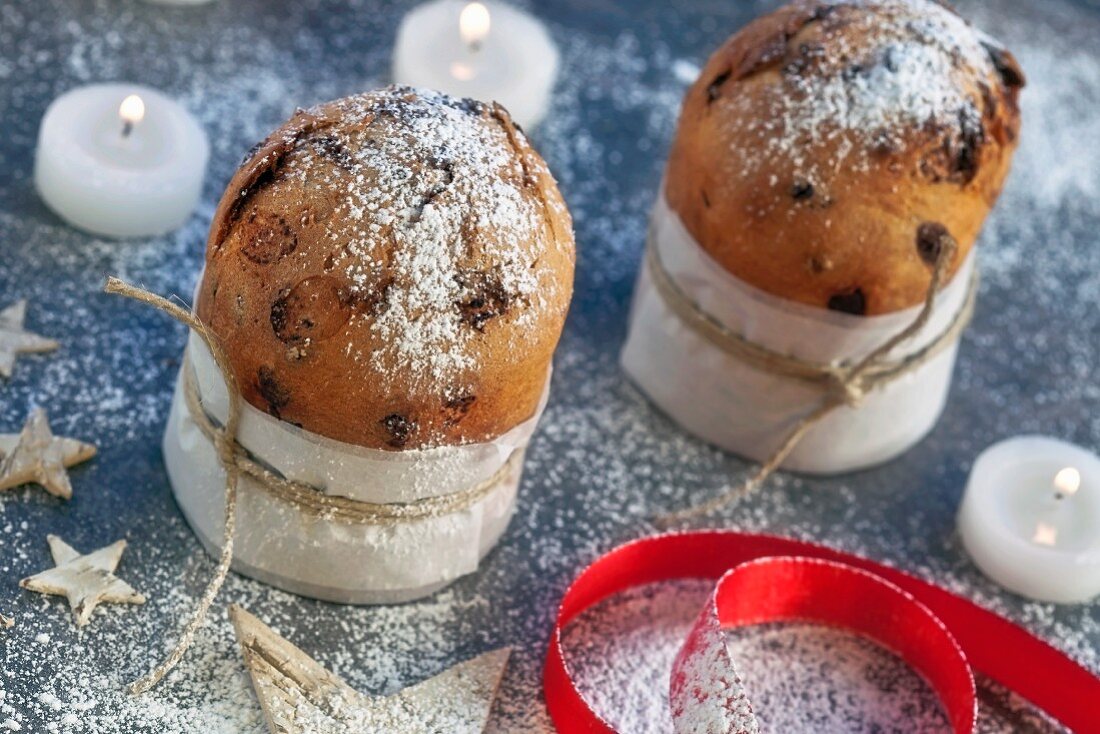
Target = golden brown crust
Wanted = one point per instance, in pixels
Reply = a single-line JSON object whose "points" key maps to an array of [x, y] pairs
{"points": [[392, 270], [827, 148]]}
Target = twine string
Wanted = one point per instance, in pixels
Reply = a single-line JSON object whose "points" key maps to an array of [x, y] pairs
{"points": [[236, 460], [842, 384], [334, 508], [224, 443]]}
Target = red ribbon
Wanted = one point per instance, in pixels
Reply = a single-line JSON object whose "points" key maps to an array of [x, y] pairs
{"points": [[844, 592]]}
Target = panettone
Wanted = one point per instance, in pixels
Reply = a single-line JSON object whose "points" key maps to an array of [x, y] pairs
{"points": [[392, 270], [828, 149]]}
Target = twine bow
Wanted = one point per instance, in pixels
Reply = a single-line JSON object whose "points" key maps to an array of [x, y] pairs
{"points": [[841, 384], [236, 461]]}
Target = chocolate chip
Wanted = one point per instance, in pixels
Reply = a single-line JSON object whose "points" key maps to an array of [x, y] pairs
{"points": [[706, 199], [890, 59], [795, 67], [958, 157], [399, 428], [314, 309], [989, 101], [486, 297], [802, 190], [1006, 65], [807, 52], [331, 147], [931, 239], [971, 138], [455, 409], [267, 238], [272, 391], [468, 105], [715, 87], [446, 176], [404, 107], [279, 315], [853, 302], [822, 12], [884, 144]]}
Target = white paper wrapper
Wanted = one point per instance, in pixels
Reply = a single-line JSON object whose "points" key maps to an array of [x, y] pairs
{"points": [[357, 564], [750, 412]]}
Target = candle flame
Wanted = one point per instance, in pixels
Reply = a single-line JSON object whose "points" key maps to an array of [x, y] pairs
{"points": [[473, 24], [1067, 481], [132, 110], [1045, 534]]}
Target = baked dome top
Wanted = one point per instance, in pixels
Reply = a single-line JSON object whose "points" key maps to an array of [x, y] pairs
{"points": [[827, 148], [392, 269]]}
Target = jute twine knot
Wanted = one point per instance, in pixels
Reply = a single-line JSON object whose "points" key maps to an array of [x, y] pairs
{"points": [[841, 384], [848, 389], [224, 447], [236, 460]]}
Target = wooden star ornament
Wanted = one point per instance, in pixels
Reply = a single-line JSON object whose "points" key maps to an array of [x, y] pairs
{"points": [[86, 580], [299, 696], [36, 456], [15, 340]]}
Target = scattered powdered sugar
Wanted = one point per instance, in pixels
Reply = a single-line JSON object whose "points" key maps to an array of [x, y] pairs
{"points": [[885, 70], [603, 460], [438, 217], [798, 677], [299, 695]]}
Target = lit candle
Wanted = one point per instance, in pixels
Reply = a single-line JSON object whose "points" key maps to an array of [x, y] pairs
{"points": [[484, 50], [1030, 518], [120, 160]]}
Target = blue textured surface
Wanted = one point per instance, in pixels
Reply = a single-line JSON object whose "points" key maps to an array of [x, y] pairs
{"points": [[603, 460]]}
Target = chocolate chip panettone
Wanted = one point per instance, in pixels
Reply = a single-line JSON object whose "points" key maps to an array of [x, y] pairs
{"points": [[392, 270], [828, 149]]}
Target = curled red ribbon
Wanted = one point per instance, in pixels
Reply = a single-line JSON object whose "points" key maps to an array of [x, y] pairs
{"points": [[765, 578]]}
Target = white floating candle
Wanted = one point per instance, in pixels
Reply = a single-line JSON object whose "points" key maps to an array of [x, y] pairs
{"points": [[1030, 518], [120, 160], [485, 50]]}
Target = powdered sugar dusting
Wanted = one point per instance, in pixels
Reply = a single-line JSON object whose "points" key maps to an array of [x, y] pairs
{"points": [[449, 192], [798, 677], [603, 459], [706, 692], [879, 70]]}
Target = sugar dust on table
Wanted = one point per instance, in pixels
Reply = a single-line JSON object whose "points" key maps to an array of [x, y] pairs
{"points": [[357, 350]]}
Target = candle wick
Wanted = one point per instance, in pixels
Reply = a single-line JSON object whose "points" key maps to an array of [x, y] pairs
{"points": [[127, 128], [473, 25]]}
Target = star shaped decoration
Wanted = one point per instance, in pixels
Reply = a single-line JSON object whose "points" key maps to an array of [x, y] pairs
{"points": [[15, 340], [6, 622], [86, 580], [299, 696], [36, 456]]}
